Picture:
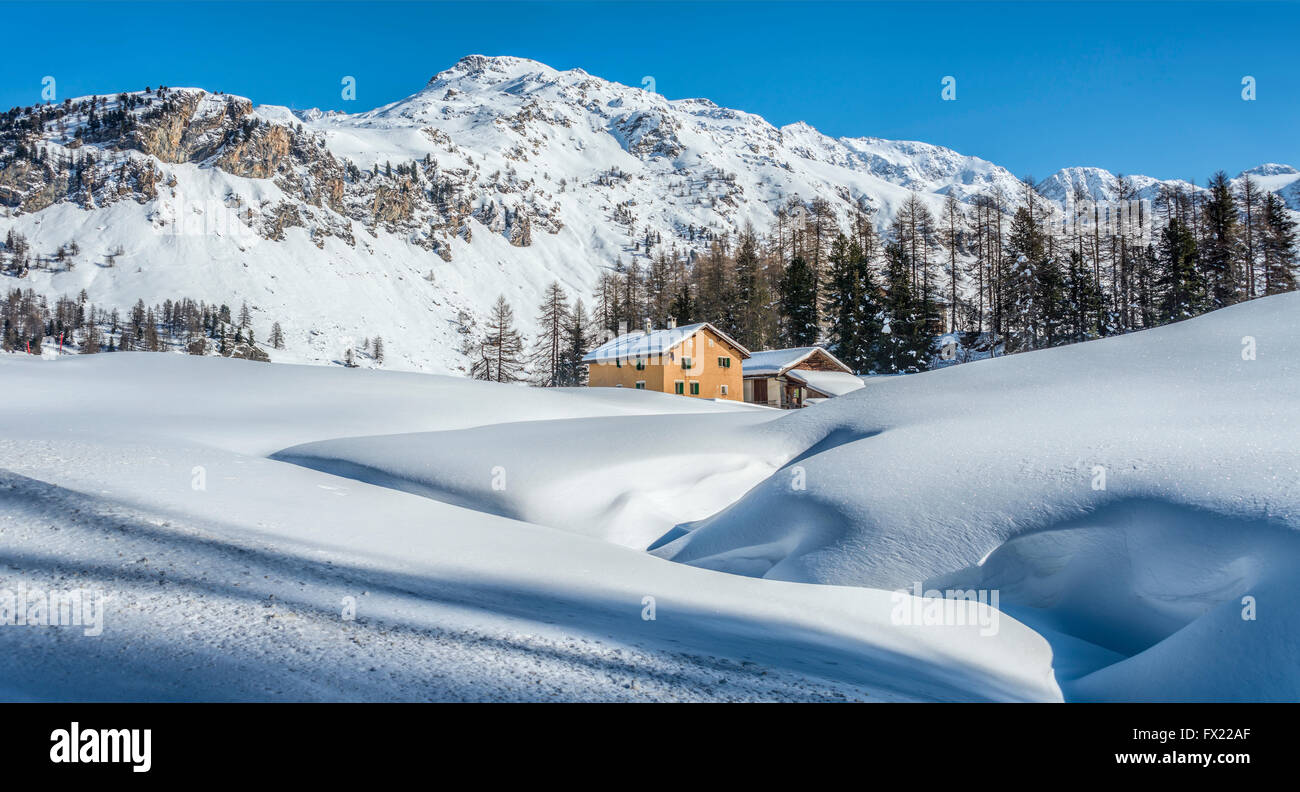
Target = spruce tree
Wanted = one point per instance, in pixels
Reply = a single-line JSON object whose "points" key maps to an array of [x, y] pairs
{"points": [[1182, 289], [1084, 301], [1220, 252], [855, 311], [1279, 247], [751, 294], [1049, 301], [904, 345], [577, 342], [1026, 251], [800, 322]]}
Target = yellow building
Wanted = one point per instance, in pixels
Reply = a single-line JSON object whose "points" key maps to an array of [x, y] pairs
{"points": [[692, 360]]}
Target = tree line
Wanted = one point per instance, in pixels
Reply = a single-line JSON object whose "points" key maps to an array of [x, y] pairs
{"points": [[29, 321], [1005, 274]]}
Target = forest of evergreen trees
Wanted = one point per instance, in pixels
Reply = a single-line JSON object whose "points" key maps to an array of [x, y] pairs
{"points": [[1004, 275], [30, 321]]}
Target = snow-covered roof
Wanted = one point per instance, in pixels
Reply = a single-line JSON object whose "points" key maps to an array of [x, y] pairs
{"points": [[831, 383], [776, 361], [640, 344]]}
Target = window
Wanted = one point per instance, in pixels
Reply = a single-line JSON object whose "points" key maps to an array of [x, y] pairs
{"points": [[640, 385], [640, 364], [679, 387], [618, 362], [724, 390], [724, 362], [687, 363], [695, 389]]}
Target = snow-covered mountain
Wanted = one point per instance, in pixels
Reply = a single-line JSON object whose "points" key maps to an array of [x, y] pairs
{"points": [[500, 176]]}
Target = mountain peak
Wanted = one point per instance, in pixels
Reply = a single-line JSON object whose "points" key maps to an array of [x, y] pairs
{"points": [[498, 66], [1270, 169]]}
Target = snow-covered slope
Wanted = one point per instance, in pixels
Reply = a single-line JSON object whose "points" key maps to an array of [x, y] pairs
{"points": [[1128, 509], [1138, 493], [1135, 500], [233, 576], [407, 221]]}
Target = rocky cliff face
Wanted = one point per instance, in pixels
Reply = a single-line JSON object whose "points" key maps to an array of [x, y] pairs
{"points": [[99, 150]]}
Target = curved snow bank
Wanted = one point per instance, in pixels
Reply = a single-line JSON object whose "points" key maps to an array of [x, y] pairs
{"points": [[270, 407], [1219, 657], [1125, 490], [1173, 594], [626, 480]]}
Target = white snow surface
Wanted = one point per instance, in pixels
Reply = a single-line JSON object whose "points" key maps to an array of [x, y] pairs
{"points": [[1134, 503], [238, 589], [831, 383], [1138, 494]]}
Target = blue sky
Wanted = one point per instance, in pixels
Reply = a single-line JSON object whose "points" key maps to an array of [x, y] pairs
{"points": [[1133, 87]]}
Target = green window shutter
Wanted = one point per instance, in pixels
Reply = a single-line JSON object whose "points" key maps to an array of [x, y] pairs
{"points": [[695, 389], [679, 388]]}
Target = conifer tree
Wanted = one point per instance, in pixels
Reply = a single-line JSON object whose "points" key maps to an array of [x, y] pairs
{"points": [[800, 320], [751, 293], [1182, 289], [1279, 247], [1252, 231], [953, 220], [1026, 251], [500, 352], [577, 342], [855, 311], [1220, 249], [549, 346], [1084, 300], [904, 345]]}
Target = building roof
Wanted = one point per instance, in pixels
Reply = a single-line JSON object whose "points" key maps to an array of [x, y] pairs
{"points": [[640, 344], [772, 362], [830, 383]]}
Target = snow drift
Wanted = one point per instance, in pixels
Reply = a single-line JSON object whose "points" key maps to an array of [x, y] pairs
{"points": [[1140, 494]]}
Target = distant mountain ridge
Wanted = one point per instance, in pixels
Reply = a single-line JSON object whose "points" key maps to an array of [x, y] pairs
{"points": [[500, 176]]}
